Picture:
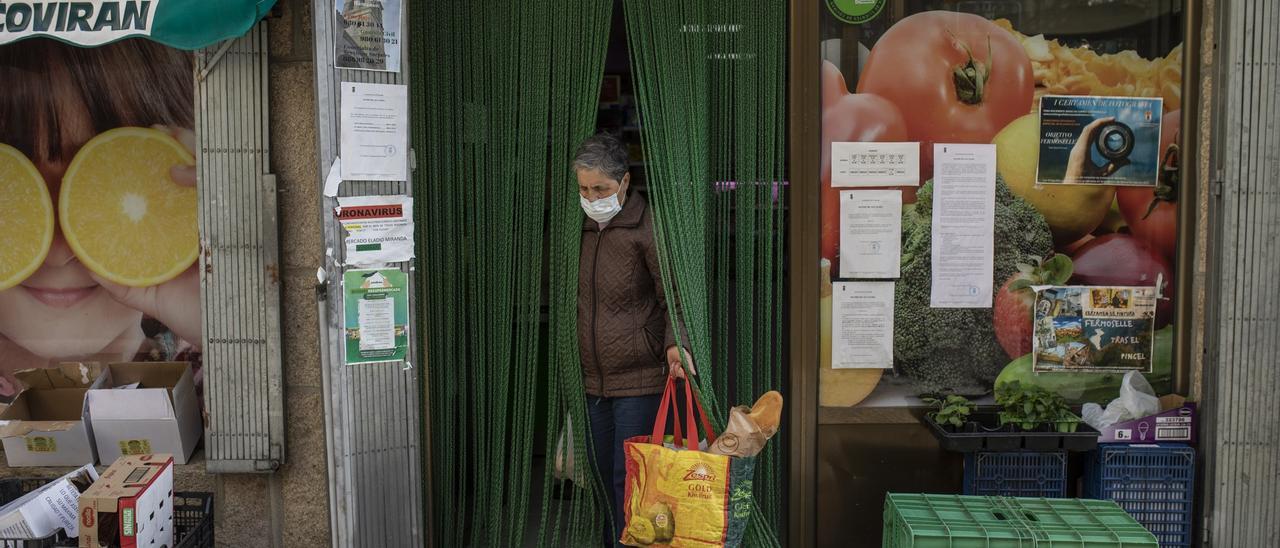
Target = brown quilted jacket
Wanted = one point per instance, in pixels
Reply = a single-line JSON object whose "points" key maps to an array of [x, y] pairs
{"points": [[623, 327]]}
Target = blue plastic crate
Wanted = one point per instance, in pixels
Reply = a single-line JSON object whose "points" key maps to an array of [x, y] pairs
{"points": [[1016, 473], [1153, 483]]}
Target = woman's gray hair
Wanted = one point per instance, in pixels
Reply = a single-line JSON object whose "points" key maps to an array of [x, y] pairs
{"points": [[603, 152]]}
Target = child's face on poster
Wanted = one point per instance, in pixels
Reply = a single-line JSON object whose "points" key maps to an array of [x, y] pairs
{"points": [[61, 311]]}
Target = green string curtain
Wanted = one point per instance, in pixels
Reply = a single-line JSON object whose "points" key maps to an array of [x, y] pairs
{"points": [[502, 93], [710, 77]]}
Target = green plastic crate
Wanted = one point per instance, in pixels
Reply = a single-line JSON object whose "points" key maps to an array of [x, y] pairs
{"points": [[950, 521], [1081, 523], [953, 521]]}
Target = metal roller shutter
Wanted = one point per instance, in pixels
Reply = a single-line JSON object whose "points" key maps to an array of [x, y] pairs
{"points": [[239, 263], [1243, 444]]}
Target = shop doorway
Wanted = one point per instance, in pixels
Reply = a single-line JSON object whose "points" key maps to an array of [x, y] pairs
{"points": [[501, 100]]}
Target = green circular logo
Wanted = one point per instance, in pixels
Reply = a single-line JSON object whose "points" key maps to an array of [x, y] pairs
{"points": [[855, 12]]}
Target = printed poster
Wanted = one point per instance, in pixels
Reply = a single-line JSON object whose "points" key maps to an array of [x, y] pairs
{"points": [[378, 229], [1093, 328], [1099, 140], [870, 233], [127, 288], [376, 315], [374, 137], [963, 229], [862, 316], [368, 35], [875, 164]]}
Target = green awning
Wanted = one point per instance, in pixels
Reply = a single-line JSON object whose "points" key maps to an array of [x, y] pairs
{"points": [[183, 24]]}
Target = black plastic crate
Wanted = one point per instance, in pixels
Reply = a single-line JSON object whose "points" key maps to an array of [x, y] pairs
{"points": [[192, 517], [983, 433], [1154, 483], [1040, 474]]}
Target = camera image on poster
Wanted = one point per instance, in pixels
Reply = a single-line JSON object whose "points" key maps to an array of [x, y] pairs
{"points": [[1093, 328], [1099, 140]]}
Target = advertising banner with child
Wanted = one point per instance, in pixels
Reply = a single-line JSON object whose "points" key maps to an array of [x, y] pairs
{"points": [[100, 238]]}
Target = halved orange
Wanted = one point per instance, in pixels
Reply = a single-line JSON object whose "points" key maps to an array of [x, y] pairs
{"points": [[26, 218], [122, 214]]}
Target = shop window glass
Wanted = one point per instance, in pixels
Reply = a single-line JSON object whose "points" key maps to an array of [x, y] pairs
{"points": [[956, 72]]}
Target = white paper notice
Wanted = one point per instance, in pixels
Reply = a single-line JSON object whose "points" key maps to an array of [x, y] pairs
{"points": [[964, 211], [44, 511], [875, 164], [379, 229], [375, 132], [870, 233], [334, 178], [377, 324], [862, 325]]}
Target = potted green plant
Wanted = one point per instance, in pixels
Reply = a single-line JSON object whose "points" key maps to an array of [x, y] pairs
{"points": [[1027, 418], [952, 412], [1034, 409]]}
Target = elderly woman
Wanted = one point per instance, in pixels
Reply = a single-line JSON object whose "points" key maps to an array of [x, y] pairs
{"points": [[626, 341]]}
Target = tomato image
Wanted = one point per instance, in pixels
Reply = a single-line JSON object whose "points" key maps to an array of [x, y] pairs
{"points": [[858, 117], [833, 84], [1152, 214], [847, 118], [956, 78]]}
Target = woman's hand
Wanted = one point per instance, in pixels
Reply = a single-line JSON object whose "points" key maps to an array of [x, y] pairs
{"points": [[1079, 163], [175, 303], [674, 367]]}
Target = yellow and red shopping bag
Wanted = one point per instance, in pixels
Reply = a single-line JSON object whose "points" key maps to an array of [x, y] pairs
{"points": [[680, 496]]}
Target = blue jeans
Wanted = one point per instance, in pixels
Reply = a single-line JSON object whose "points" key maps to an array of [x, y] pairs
{"points": [[614, 420]]}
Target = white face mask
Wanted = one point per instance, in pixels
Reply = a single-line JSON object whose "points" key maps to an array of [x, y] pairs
{"points": [[602, 210]]}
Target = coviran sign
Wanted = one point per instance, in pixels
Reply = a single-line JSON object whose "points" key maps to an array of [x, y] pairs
{"points": [[85, 23]]}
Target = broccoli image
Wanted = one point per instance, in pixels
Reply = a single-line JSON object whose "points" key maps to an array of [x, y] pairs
{"points": [[954, 350]]}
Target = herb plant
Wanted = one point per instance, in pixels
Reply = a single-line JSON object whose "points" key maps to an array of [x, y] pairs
{"points": [[952, 410], [1029, 406]]}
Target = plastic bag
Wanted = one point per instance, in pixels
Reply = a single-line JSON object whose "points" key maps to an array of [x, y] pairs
{"points": [[1091, 414], [564, 468], [1138, 396], [1137, 399], [670, 443]]}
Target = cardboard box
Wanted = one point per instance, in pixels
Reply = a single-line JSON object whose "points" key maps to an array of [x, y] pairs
{"points": [[1177, 423], [48, 423], [131, 505], [160, 415], [41, 513]]}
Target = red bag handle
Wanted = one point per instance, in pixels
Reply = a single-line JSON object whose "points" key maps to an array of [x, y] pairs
{"points": [[689, 431], [702, 413]]}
